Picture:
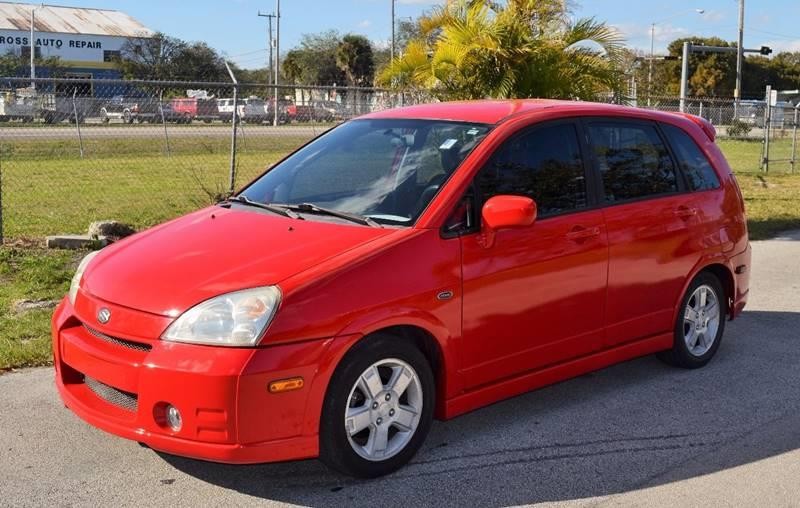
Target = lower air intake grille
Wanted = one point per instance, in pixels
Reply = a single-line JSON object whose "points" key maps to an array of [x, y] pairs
{"points": [[124, 400], [138, 346]]}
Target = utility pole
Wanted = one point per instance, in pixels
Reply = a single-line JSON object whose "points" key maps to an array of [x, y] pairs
{"points": [[685, 75], [737, 93], [393, 36], [269, 44], [277, 56], [652, 56], [33, 50]]}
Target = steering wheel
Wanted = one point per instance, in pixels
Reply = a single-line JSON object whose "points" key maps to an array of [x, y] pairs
{"points": [[430, 190]]}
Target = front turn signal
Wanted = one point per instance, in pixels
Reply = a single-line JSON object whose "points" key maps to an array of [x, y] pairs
{"points": [[286, 385]]}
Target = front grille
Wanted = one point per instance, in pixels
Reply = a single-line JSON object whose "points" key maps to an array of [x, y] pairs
{"points": [[138, 346], [124, 400]]}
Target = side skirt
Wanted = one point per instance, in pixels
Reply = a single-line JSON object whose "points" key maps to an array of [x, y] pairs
{"points": [[515, 386]]}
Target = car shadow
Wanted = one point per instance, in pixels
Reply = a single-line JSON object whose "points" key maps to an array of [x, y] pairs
{"points": [[635, 425]]}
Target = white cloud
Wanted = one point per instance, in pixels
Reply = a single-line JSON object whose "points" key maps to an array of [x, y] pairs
{"points": [[364, 23], [638, 35]]}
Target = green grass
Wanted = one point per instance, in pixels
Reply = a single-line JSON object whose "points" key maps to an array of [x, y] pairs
{"points": [[48, 189], [30, 274]]}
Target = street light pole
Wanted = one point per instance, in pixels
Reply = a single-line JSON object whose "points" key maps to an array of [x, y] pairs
{"points": [[652, 46], [393, 36], [33, 50], [277, 56], [737, 93], [652, 56]]}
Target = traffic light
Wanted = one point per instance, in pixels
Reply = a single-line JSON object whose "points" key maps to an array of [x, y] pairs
{"points": [[765, 50]]}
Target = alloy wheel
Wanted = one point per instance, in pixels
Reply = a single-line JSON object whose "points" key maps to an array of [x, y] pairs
{"points": [[701, 320], [383, 409]]}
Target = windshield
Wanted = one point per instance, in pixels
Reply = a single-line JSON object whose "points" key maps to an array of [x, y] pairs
{"points": [[386, 170]]}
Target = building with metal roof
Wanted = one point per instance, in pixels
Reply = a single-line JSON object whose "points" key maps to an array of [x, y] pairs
{"points": [[86, 40]]}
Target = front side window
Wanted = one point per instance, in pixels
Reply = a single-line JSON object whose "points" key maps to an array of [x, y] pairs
{"points": [[699, 173], [544, 164], [633, 161], [384, 169]]}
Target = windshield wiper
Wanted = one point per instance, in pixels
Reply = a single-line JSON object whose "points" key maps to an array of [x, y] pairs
{"points": [[311, 207], [274, 209]]}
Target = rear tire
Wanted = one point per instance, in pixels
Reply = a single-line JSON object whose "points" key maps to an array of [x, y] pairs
{"points": [[378, 408], [699, 325]]}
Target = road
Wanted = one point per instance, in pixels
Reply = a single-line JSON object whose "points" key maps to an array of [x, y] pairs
{"points": [[639, 433]]}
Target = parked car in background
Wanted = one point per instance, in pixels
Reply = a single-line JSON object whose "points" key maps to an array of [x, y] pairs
{"points": [[413, 263], [130, 109], [192, 108], [58, 108], [225, 109], [16, 107], [754, 113], [320, 111], [253, 110]]}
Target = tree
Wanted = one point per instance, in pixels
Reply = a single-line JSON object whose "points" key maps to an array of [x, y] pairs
{"points": [[354, 58], [149, 57], [199, 62], [14, 64], [521, 48], [712, 74], [162, 57], [313, 62]]}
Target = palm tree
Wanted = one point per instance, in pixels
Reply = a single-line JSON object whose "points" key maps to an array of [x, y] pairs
{"points": [[474, 49]]}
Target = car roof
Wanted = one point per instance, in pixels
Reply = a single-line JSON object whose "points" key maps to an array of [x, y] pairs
{"points": [[496, 111]]}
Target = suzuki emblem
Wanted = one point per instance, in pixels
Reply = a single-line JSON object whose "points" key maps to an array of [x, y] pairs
{"points": [[103, 315]]}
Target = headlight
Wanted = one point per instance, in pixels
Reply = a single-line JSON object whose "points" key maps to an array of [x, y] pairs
{"points": [[232, 319], [76, 279]]}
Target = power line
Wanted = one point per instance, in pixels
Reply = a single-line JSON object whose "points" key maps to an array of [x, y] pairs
{"points": [[248, 53]]}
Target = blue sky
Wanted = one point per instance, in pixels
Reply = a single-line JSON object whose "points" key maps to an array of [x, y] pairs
{"points": [[233, 27]]}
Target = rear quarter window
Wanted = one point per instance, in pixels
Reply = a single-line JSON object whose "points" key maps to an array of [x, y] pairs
{"points": [[700, 175]]}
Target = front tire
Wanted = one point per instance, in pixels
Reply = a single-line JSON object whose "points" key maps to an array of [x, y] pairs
{"points": [[699, 325], [378, 408]]}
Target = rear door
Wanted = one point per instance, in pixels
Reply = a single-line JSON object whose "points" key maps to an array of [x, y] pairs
{"points": [[536, 296], [649, 218]]}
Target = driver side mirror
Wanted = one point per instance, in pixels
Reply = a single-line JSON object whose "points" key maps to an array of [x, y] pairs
{"points": [[502, 212]]}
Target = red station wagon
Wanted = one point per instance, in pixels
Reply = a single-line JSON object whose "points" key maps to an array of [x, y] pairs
{"points": [[413, 263]]}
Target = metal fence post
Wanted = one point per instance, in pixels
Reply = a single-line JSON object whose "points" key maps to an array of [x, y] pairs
{"points": [[164, 122], [77, 120], [794, 136], [234, 122], [1, 193], [767, 125]]}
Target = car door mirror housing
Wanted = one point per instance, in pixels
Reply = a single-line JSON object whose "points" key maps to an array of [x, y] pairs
{"points": [[502, 212]]}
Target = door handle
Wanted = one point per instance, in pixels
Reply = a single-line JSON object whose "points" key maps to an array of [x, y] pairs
{"points": [[685, 212], [579, 233]]}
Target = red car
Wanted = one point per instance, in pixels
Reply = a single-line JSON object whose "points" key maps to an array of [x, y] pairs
{"points": [[413, 263]]}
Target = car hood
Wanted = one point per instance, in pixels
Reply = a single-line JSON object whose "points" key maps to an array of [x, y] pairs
{"points": [[172, 267]]}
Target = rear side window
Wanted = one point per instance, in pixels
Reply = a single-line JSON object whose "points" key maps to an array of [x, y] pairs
{"points": [[699, 173], [544, 164], [633, 161]]}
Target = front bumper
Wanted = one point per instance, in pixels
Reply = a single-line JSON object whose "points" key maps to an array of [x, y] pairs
{"points": [[121, 382]]}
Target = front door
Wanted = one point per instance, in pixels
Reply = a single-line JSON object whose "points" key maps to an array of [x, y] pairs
{"points": [[536, 297]]}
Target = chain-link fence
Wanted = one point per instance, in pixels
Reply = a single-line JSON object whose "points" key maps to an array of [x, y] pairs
{"points": [[141, 152], [780, 151]]}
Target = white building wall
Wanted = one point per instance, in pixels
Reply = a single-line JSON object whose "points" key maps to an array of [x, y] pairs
{"points": [[69, 47]]}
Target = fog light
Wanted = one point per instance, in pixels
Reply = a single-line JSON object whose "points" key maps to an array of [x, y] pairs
{"points": [[173, 418]]}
